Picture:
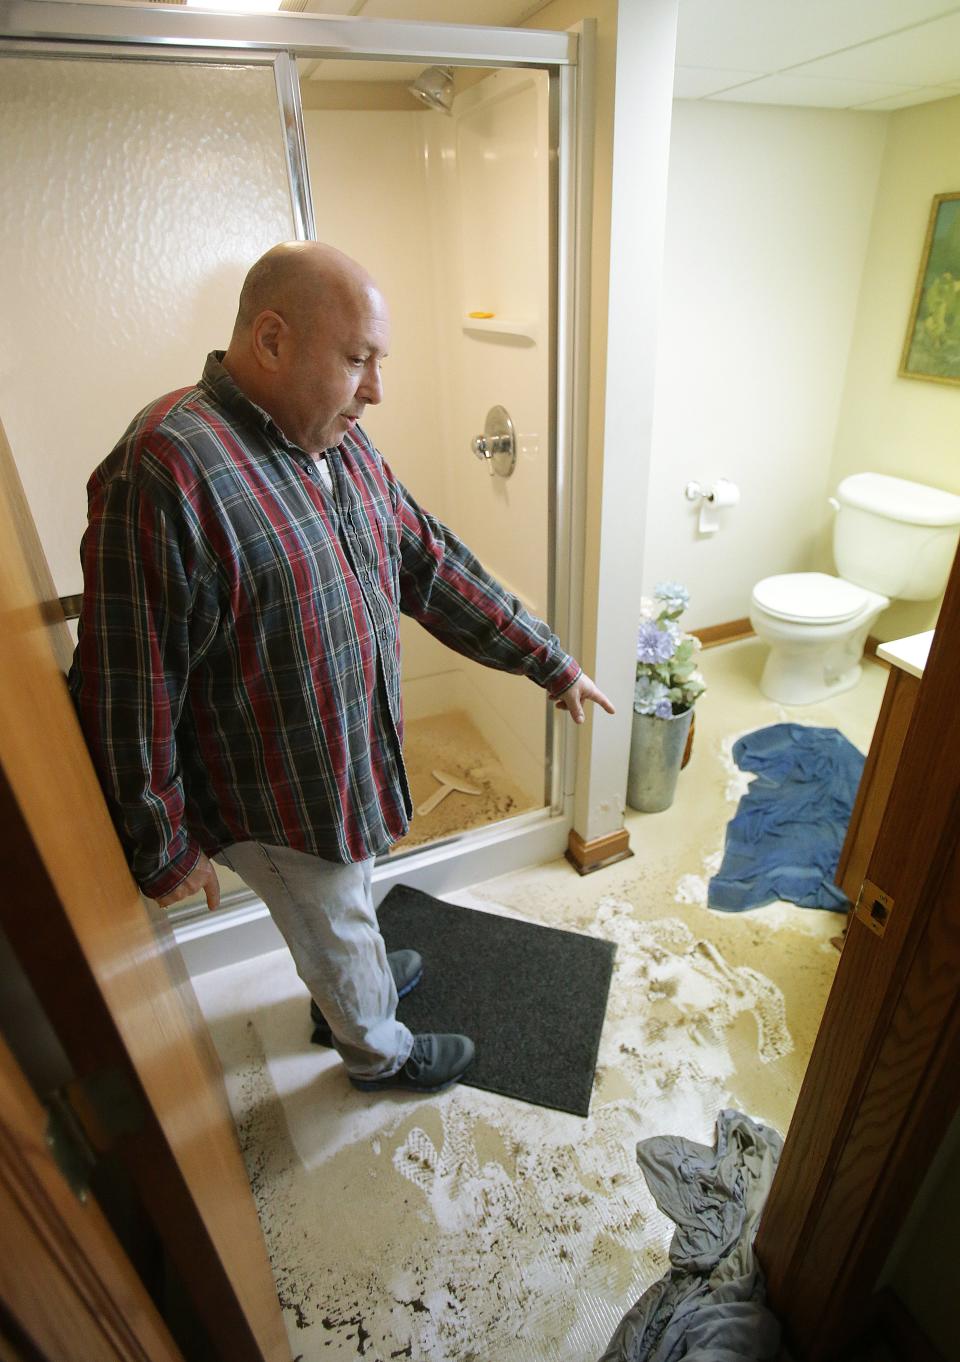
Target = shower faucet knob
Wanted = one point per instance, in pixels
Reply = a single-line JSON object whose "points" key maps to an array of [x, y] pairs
{"points": [[496, 447]]}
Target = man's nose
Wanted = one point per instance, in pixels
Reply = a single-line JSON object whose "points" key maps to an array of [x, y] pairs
{"points": [[371, 389]]}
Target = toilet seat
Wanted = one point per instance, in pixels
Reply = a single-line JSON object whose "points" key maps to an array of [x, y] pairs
{"points": [[810, 598]]}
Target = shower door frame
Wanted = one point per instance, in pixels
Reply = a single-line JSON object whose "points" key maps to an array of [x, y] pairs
{"points": [[54, 29]]}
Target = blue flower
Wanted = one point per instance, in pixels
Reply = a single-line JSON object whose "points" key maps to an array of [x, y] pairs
{"points": [[674, 596], [649, 696], [664, 709], [654, 644]]}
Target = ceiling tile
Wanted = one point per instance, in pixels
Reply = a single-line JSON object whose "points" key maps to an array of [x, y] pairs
{"points": [[768, 35], [925, 95], [693, 82], [928, 54], [808, 93]]}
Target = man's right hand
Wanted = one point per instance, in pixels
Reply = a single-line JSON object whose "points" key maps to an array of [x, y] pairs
{"points": [[202, 876]]}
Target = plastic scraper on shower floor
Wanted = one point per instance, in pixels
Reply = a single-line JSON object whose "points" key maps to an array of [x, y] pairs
{"points": [[448, 784]]}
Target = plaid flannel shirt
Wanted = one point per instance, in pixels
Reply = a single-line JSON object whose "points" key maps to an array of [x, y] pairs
{"points": [[237, 674]]}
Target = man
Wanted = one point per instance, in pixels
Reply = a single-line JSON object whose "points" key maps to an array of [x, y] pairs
{"points": [[237, 674]]}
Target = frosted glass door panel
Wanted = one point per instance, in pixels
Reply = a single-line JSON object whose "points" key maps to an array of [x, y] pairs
{"points": [[134, 196]]}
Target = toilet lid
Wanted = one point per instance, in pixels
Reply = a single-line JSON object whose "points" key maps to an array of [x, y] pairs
{"points": [[811, 597]]}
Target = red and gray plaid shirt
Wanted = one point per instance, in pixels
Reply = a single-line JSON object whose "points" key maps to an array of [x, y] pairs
{"points": [[237, 674]]}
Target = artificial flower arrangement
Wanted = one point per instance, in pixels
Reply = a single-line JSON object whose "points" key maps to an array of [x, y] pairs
{"points": [[667, 678]]}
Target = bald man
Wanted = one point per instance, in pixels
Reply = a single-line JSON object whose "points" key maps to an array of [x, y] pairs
{"points": [[247, 556]]}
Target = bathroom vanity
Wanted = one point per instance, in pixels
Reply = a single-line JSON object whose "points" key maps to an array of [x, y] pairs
{"points": [[907, 658]]}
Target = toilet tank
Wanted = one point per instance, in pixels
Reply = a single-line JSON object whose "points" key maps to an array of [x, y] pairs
{"points": [[894, 536]]}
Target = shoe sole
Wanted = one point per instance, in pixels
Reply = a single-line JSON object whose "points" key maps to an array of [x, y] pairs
{"points": [[387, 1084], [324, 1036]]}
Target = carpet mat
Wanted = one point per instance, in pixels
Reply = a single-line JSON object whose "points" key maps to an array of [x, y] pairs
{"points": [[532, 998]]}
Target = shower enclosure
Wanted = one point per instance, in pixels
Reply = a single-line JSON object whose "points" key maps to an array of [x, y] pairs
{"points": [[150, 156]]}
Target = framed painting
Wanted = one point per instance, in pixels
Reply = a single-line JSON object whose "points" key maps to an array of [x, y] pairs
{"points": [[932, 346]]}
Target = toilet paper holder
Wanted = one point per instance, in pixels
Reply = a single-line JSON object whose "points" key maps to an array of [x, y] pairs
{"points": [[712, 498]]}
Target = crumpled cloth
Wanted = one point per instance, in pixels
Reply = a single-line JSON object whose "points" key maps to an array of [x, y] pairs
{"points": [[710, 1306], [784, 841]]}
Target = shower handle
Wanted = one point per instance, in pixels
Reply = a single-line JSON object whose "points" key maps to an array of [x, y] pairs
{"points": [[496, 447]]}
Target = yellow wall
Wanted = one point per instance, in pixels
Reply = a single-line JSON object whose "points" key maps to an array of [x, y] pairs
{"points": [[901, 426]]}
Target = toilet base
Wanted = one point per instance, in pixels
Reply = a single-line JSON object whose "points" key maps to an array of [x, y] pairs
{"points": [[784, 682]]}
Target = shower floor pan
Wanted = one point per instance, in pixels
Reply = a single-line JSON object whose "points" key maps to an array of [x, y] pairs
{"points": [[452, 743]]}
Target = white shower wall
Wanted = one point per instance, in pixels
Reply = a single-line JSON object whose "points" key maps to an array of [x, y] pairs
{"points": [[450, 216]]}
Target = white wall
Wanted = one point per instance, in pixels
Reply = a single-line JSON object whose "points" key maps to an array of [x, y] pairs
{"points": [[902, 426], [768, 222]]}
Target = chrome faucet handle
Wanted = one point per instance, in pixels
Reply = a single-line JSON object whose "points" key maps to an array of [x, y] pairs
{"points": [[496, 447]]}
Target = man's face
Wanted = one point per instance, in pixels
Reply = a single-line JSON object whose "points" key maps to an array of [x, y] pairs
{"points": [[331, 370]]}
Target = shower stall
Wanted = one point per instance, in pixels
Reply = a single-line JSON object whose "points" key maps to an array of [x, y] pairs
{"points": [[150, 156]]}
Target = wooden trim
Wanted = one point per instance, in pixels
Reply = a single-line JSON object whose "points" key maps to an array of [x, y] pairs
{"points": [[886, 746], [715, 634], [586, 857], [883, 1081]]}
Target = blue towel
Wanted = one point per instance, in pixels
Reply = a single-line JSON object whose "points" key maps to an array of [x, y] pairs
{"points": [[784, 841]]}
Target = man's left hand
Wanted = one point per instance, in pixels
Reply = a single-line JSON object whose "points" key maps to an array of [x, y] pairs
{"points": [[574, 696]]}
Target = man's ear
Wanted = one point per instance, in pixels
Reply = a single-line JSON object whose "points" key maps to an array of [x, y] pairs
{"points": [[268, 334]]}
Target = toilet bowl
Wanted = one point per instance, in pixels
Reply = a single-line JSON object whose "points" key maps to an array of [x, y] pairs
{"points": [[892, 540], [816, 626]]}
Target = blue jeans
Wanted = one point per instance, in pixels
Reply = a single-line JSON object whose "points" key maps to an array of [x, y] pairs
{"points": [[325, 912]]}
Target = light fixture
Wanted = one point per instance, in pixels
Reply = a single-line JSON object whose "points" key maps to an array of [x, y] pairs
{"points": [[434, 87]]}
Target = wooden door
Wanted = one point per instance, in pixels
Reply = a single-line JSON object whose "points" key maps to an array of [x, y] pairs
{"points": [[884, 1077], [65, 1283], [107, 971]]}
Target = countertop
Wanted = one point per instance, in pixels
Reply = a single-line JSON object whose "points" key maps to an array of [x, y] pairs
{"points": [[909, 654]]}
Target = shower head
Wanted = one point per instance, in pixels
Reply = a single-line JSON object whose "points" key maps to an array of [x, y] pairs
{"points": [[434, 87]]}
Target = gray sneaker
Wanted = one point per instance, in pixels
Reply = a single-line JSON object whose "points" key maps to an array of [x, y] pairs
{"points": [[407, 970], [435, 1062]]}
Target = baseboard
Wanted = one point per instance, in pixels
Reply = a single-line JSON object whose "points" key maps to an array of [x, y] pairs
{"points": [[586, 857], [715, 634]]}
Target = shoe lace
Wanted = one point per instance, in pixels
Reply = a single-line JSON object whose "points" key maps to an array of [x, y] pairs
{"points": [[422, 1054]]}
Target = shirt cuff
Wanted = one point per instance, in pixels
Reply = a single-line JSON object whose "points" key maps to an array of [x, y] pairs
{"points": [[564, 679], [165, 881]]}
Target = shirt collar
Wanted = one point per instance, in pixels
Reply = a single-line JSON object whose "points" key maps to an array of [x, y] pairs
{"points": [[217, 382]]}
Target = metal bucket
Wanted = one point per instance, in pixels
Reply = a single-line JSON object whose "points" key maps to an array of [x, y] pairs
{"points": [[656, 750]]}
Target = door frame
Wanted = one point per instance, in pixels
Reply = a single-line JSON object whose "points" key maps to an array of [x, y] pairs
{"points": [[58, 28], [883, 1081]]}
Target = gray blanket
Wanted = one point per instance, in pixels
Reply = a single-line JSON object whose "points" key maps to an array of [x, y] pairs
{"points": [[709, 1306]]}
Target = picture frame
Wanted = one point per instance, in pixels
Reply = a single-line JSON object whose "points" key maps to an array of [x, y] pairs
{"points": [[931, 348]]}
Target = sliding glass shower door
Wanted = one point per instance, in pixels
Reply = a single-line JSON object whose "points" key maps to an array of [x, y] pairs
{"points": [[149, 156]]}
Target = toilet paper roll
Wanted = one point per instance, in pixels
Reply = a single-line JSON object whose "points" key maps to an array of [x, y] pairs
{"points": [[715, 498], [723, 493]]}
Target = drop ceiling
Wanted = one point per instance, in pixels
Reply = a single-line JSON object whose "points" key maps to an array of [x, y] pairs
{"points": [[874, 55]]}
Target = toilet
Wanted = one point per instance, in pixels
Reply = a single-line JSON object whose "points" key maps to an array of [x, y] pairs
{"points": [[892, 540]]}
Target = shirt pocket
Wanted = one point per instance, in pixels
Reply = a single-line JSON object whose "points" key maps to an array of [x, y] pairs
{"points": [[375, 547]]}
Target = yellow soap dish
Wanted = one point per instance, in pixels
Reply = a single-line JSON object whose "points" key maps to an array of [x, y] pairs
{"points": [[481, 314]]}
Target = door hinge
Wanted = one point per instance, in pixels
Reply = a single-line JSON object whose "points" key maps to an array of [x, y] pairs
{"points": [[85, 1118], [874, 907]]}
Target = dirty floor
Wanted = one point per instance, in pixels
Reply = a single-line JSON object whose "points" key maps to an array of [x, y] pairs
{"points": [[470, 1227]]}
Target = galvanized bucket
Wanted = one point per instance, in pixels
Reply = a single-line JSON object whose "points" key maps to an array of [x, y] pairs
{"points": [[656, 751]]}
